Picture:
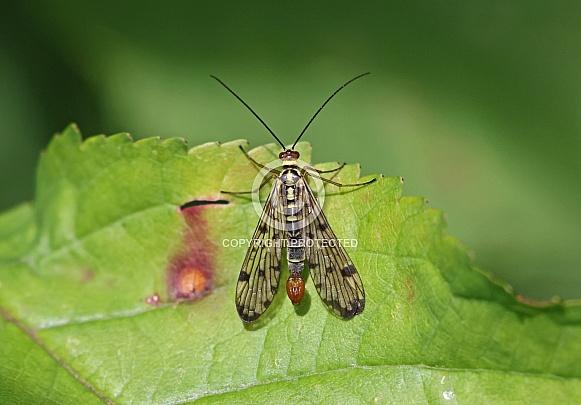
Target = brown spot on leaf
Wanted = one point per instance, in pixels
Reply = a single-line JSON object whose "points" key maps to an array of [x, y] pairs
{"points": [[192, 281], [87, 275], [191, 271]]}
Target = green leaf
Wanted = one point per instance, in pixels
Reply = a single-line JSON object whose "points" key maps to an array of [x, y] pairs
{"points": [[97, 305]]}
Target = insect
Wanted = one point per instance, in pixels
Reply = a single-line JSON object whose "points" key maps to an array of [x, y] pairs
{"points": [[292, 217]]}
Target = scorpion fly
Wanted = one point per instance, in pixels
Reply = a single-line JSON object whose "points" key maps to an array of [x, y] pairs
{"points": [[292, 217]]}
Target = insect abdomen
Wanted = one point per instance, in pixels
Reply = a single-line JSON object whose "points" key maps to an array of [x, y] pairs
{"points": [[295, 289], [295, 252]]}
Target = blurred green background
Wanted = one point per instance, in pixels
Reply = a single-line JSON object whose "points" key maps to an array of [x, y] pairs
{"points": [[475, 104]]}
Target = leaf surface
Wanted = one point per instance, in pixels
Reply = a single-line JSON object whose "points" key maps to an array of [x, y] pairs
{"points": [[110, 292]]}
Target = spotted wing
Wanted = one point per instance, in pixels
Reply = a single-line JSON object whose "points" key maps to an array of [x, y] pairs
{"points": [[258, 280], [334, 275]]}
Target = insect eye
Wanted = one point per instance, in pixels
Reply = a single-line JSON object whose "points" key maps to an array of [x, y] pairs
{"points": [[289, 155]]}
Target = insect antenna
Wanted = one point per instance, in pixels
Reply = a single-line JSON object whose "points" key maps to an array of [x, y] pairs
{"points": [[251, 110], [324, 104]]}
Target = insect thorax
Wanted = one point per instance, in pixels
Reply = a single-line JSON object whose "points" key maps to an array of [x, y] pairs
{"points": [[290, 175], [292, 200]]}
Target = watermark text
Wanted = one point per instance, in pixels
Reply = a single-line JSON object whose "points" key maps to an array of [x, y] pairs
{"points": [[293, 243]]}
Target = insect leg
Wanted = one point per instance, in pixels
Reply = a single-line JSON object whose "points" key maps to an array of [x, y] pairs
{"points": [[273, 174], [339, 184], [326, 171], [250, 158]]}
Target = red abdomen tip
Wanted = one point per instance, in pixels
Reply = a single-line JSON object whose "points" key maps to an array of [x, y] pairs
{"points": [[295, 289]]}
